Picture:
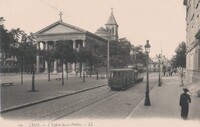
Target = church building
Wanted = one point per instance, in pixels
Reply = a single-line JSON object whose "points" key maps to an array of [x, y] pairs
{"points": [[77, 37]]}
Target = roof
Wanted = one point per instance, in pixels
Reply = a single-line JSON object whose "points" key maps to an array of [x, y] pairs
{"points": [[111, 20], [102, 32], [123, 40], [77, 29]]}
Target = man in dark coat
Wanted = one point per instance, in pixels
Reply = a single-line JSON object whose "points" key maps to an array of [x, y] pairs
{"points": [[184, 103]]}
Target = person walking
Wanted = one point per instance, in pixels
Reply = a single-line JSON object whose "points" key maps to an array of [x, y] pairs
{"points": [[164, 70], [184, 103]]}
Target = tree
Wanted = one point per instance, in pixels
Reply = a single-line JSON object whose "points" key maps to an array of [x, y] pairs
{"points": [[86, 57], [26, 56], [140, 56], [7, 42], [65, 53], [119, 54], [99, 56], [49, 57], [179, 60]]}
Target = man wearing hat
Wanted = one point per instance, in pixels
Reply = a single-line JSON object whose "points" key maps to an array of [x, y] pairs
{"points": [[184, 103]]}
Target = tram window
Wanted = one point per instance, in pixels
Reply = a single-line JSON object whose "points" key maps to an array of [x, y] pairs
{"points": [[114, 74], [111, 74]]}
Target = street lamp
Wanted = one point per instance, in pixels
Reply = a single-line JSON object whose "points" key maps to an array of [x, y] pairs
{"points": [[108, 59], [147, 99], [159, 81]]}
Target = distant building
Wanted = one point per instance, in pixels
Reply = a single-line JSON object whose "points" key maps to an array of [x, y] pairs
{"points": [[193, 39], [154, 63]]}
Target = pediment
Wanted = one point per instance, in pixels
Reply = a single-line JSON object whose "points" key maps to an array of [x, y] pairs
{"points": [[59, 28]]}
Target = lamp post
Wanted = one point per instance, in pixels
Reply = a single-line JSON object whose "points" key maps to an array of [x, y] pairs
{"points": [[108, 59], [159, 81], [147, 99]]}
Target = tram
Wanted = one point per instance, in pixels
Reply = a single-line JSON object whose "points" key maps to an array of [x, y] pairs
{"points": [[121, 79]]}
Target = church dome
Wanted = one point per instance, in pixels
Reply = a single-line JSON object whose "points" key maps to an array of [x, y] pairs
{"points": [[103, 33]]}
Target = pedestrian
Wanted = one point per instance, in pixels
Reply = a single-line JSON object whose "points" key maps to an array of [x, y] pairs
{"points": [[169, 70], [184, 103], [164, 69]]}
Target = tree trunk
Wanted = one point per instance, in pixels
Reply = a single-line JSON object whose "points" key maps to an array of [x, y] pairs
{"points": [[33, 81], [62, 74], [22, 66], [67, 69], [48, 71], [76, 69], [91, 69], [22, 74], [83, 73], [80, 69], [97, 75]]}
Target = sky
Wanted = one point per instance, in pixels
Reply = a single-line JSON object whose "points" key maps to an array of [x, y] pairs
{"points": [[162, 22]]}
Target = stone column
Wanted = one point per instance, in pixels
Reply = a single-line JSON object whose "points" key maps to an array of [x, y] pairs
{"points": [[38, 59], [55, 67], [73, 65], [83, 65], [84, 43], [64, 70], [46, 65], [55, 62]]}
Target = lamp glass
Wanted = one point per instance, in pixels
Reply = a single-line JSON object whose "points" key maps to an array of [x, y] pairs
{"points": [[147, 47], [147, 50]]}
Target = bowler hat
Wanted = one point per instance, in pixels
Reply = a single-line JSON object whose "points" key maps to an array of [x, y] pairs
{"points": [[185, 90]]}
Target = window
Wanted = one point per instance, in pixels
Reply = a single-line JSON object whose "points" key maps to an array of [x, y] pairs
{"points": [[113, 30]]}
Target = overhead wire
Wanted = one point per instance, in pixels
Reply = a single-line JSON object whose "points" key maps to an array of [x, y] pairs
{"points": [[63, 12]]}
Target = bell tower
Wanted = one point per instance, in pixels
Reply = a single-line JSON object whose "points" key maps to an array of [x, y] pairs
{"points": [[112, 26]]}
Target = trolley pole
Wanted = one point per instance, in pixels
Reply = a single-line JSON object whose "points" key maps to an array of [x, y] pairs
{"points": [[159, 80]]}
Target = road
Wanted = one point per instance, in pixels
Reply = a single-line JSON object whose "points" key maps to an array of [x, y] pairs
{"points": [[117, 106], [96, 103]]}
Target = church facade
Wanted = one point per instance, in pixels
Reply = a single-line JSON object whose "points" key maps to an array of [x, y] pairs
{"points": [[77, 37]]}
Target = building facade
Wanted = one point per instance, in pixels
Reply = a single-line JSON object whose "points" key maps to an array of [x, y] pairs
{"points": [[192, 39]]}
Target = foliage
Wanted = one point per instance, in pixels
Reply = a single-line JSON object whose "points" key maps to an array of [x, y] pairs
{"points": [[6, 43], [26, 52], [140, 55], [64, 51], [119, 54], [179, 60], [49, 55]]}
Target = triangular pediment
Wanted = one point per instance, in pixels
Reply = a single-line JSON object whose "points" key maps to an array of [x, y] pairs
{"points": [[59, 28]]}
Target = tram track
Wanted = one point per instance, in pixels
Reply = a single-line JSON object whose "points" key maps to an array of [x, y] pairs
{"points": [[67, 110]]}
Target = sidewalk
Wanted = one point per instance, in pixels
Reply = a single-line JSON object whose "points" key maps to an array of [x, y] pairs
{"points": [[19, 94], [165, 101]]}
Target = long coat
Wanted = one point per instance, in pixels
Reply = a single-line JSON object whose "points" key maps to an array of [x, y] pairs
{"points": [[184, 103]]}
